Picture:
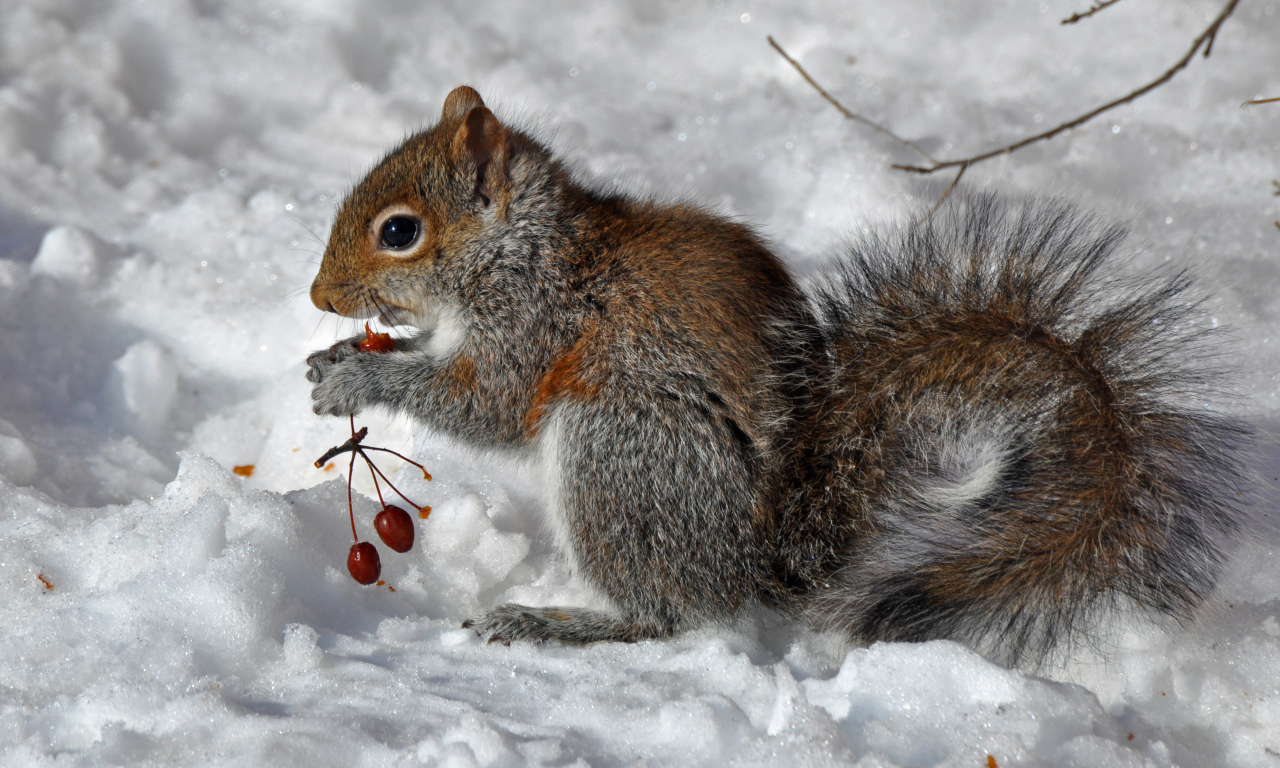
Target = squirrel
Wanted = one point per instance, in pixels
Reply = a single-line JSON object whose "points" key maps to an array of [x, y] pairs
{"points": [[974, 428]]}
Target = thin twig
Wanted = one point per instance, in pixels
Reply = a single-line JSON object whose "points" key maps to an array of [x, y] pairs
{"points": [[1276, 184], [844, 111], [1100, 6], [1277, 223], [1205, 39], [1260, 101], [947, 191], [352, 444]]}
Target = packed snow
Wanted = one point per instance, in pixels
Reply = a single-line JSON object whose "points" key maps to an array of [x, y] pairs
{"points": [[168, 174]]}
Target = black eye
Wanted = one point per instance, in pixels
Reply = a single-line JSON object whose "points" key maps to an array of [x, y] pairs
{"points": [[399, 231]]}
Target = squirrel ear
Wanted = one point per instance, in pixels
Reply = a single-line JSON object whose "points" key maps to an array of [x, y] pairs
{"points": [[481, 144], [459, 102]]}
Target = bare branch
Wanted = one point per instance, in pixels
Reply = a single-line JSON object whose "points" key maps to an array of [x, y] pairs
{"points": [[947, 192], [851, 115], [1100, 6], [1205, 39], [1260, 101]]}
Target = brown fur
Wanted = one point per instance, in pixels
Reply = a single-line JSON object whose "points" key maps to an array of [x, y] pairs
{"points": [[571, 375]]}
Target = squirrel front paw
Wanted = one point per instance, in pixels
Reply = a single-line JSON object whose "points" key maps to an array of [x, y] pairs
{"points": [[332, 397], [334, 393], [319, 362]]}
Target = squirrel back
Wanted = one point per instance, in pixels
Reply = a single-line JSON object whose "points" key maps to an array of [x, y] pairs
{"points": [[972, 429]]}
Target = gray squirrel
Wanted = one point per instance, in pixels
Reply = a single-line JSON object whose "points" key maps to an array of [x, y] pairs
{"points": [[973, 428]]}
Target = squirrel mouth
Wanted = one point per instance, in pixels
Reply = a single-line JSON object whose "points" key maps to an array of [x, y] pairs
{"points": [[424, 315], [392, 316]]}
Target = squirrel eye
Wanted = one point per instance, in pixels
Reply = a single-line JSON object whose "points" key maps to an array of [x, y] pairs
{"points": [[399, 231]]}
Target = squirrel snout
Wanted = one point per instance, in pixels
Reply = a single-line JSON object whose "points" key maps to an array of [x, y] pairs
{"points": [[320, 300]]}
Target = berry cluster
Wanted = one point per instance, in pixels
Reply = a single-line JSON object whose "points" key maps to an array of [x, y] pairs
{"points": [[393, 524]]}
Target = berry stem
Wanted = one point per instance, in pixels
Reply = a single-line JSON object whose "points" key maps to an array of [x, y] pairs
{"points": [[425, 474], [351, 510], [374, 475], [387, 480]]}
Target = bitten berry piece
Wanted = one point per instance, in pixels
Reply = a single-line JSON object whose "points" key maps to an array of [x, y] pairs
{"points": [[376, 342]]}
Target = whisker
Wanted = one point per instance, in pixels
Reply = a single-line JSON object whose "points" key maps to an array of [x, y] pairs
{"points": [[313, 330], [367, 305], [296, 293], [384, 312], [314, 236]]}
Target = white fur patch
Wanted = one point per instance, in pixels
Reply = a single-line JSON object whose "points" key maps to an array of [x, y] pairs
{"points": [[968, 467], [548, 448], [446, 322], [425, 314], [451, 330]]}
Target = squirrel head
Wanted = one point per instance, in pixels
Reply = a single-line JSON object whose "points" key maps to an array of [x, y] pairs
{"points": [[428, 198]]}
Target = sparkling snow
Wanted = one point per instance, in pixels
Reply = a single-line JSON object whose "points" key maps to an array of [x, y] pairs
{"points": [[168, 172]]}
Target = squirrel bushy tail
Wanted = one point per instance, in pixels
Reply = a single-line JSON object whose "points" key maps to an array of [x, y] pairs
{"points": [[1018, 436]]}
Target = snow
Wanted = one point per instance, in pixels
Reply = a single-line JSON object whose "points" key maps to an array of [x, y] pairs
{"points": [[168, 172]]}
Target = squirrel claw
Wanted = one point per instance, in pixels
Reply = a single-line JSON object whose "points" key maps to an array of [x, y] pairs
{"points": [[493, 638]]}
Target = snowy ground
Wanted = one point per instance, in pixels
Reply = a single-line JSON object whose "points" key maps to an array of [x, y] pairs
{"points": [[167, 172]]}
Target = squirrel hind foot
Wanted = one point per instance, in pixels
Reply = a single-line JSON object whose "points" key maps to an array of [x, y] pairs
{"points": [[574, 626]]}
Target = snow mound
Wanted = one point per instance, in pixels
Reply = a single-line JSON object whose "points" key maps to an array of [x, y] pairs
{"points": [[168, 173]]}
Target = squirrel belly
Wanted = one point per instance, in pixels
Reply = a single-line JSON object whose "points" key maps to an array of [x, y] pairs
{"points": [[972, 428]]}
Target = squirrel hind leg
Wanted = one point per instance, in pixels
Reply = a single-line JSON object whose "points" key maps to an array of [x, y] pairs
{"points": [[576, 626]]}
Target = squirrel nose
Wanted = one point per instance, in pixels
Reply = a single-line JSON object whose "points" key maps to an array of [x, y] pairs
{"points": [[321, 302]]}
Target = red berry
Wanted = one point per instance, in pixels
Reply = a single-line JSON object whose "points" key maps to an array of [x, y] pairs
{"points": [[395, 528], [376, 342], [363, 562]]}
